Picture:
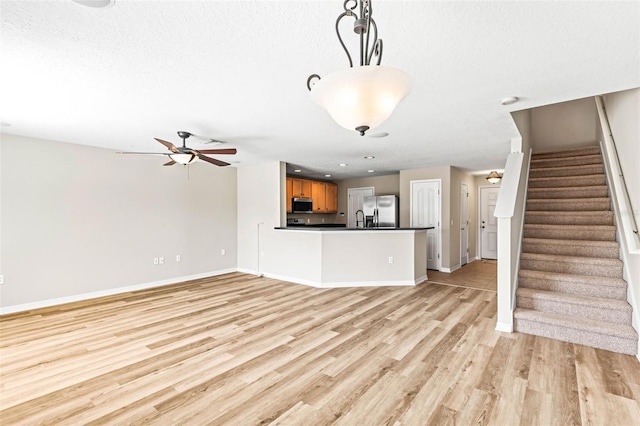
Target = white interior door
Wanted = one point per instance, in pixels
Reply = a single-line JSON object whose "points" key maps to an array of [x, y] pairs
{"points": [[464, 224], [425, 212], [488, 222], [355, 196]]}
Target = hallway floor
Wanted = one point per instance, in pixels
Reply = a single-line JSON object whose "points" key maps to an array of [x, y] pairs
{"points": [[480, 274]]}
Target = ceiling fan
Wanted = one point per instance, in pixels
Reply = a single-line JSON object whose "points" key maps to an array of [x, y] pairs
{"points": [[185, 155]]}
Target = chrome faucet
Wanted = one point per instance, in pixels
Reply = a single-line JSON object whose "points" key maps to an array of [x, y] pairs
{"points": [[359, 221]]}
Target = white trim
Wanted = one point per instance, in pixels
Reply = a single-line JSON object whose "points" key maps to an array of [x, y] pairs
{"points": [[450, 270], [504, 327], [466, 225], [109, 292]]}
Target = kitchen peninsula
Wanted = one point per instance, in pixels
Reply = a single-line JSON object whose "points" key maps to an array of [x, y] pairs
{"points": [[339, 257]]}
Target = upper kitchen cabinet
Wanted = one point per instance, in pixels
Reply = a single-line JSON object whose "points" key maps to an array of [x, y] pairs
{"points": [[324, 195], [332, 198], [289, 194], [300, 188], [319, 195]]}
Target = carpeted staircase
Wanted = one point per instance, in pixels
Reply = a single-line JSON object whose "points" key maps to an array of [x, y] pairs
{"points": [[570, 284]]}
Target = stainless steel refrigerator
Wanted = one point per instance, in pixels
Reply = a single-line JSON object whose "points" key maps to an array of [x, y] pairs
{"points": [[381, 211]]}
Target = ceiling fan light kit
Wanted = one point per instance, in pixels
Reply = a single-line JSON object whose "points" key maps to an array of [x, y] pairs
{"points": [[185, 155], [493, 177], [361, 98]]}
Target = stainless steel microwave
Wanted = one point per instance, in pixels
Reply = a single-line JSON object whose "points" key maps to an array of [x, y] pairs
{"points": [[302, 205]]}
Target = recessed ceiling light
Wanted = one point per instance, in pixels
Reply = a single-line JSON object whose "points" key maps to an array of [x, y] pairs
{"points": [[369, 157], [509, 100], [343, 164], [96, 4], [327, 175], [297, 171], [370, 171]]}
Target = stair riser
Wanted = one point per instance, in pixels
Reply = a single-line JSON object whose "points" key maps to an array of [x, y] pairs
{"points": [[555, 205], [572, 250], [593, 218], [571, 234], [580, 337], [557, 193], [567, 171], [579, 289], [592, 150], [567, 181], [579, 311], [566, 161], [611, 271]]}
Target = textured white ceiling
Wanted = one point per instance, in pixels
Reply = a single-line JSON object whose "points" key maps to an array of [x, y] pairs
{"points": [[234, 70]]}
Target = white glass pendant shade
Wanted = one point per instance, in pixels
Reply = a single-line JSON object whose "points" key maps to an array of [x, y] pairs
{"points": [[362, 96], [182, 158]]}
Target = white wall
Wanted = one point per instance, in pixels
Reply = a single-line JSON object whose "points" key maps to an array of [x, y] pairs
{"points": [[564, 125], [78, 220], [261, 208]]}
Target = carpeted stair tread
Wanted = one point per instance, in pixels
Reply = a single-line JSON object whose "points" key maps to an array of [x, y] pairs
{"points": [[581, 265], [581, 217], [570, 281], [598, 191], [620, 338], [565, 181], [583, 248], [571, 259], [588, 150], [569, 204], [596, 308], [613, 288], [572, 232], [578, 160], [572, 171]]}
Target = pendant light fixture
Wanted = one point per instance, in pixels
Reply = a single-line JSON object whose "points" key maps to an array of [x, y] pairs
{"points": [[493, 177], [363, 97]]}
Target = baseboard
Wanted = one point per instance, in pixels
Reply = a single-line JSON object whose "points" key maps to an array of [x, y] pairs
{"points": [[450, 270], [504, 327], [109, 292]]}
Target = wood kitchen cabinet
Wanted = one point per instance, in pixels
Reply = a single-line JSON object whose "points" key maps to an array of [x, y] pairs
{"points": [[300, 188], [331, 198], [289, 194], [324, 195], [318, 195]]}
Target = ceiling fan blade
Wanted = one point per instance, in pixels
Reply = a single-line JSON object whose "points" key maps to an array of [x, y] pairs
{"points": [[218, 151], [169, 163], [169, 145], [212, 160], [150, 153], [209, 140]]}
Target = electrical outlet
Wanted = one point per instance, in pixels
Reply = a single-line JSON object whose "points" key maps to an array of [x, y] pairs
{"points": [[161, 260], [1, 279], [390, 259], [156, 261], [178, 258], [223, 252]]}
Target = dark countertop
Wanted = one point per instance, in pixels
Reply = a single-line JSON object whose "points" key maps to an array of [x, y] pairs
{"points": [[334, 228]]}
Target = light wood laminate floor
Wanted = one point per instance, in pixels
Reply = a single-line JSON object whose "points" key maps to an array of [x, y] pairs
{"points": [[243, 350]]}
